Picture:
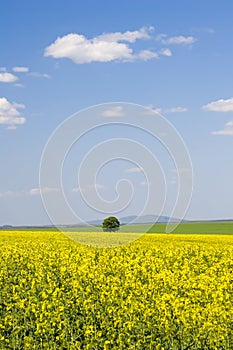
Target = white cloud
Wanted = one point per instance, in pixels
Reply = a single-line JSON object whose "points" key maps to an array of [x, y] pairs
{"points": [[20, 69], [151, 110], [7, 77], [37, 191], [39, 75], [129, 36], [146, 55], [220, 105], [226, 131], [3, 69], [103, 48], [156, 110], [134, 170], [81, 50], [10, 114], [109, 47], [113, 112], [88, 188], [32, 192], [177, 40], [165, 52], [176, 110]]}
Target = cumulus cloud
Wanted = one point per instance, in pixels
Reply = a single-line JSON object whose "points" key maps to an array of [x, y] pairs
{"points": [[115, 46], [81, 50], [20, 69], [106, 47], [129, 36], [220, 105], [146, 55], [165, 52], [176, 40], [10, 114], [226, 131], [7, 77], [116, 111]]}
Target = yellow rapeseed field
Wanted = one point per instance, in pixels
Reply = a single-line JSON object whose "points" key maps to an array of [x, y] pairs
{"points": [[159, 292]]}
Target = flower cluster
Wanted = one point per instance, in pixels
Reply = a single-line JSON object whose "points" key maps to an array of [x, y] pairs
{"points": [[159, 292]]}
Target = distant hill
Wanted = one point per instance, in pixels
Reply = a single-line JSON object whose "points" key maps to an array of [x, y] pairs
{"points": [[126, 220], [146, 219], [134, 219]]}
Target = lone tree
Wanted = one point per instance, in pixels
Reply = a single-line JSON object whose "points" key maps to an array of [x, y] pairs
{"points": [[110, 224]]}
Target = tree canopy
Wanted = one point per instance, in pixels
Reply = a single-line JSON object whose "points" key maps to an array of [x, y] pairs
{"points": [[110, 224]]}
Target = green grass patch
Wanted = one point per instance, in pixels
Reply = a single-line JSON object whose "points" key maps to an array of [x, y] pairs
{"points": [[221, 228], [202, 227]]}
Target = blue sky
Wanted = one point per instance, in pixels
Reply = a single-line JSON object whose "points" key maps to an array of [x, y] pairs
{"points": [[60, 57]]}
